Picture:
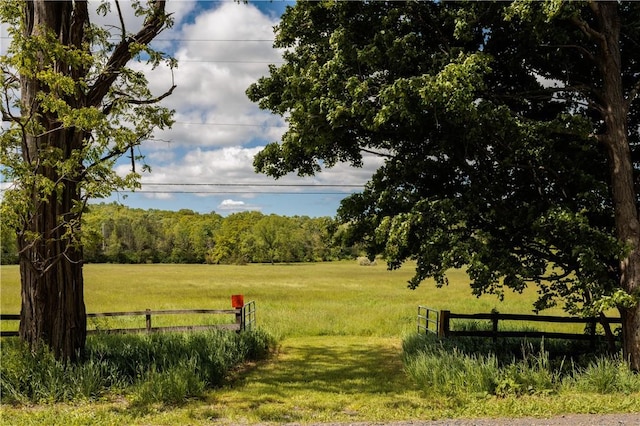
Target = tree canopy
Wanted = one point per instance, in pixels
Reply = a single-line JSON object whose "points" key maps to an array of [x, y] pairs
{"points": [[510, 132]]}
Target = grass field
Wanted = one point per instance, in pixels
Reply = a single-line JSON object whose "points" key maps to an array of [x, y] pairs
{"points": [[337, 298], [340, 328]]}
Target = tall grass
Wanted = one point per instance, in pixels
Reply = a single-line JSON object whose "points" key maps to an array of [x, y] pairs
{"points": [[462, 367], [166, 368]]}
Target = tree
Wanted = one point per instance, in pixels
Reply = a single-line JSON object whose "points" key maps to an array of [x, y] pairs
{"points": [[73, 108], [230, 240], [510, 133]]}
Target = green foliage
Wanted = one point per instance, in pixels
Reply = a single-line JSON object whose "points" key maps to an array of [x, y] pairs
{"points": [[150, 368], [117, 234], [490, 158]]}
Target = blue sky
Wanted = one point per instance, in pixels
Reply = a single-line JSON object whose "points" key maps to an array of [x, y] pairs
{"points": [[204, 163]]}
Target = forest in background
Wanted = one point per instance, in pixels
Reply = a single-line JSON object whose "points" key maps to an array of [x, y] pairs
{"points": [[113, 233]]}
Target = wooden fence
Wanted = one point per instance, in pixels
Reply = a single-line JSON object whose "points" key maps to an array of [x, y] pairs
{"points": [[439, 323], [244, 319]]}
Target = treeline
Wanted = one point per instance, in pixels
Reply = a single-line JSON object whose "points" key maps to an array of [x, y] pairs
{"points": [[114, 233]]}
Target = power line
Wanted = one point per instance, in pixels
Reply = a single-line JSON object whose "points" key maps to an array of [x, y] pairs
{"points": [[214, 40], [189, 123], [203, 61], [269, 185], [235, 192]]}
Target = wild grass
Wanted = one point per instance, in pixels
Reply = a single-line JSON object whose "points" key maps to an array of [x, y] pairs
{"points": [[461, 367], [163, 368]]}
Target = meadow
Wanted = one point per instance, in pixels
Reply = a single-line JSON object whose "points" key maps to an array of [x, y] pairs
{"points": [[306, 299], [340, 329]]}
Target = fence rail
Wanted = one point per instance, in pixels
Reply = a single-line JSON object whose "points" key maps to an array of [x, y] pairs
{"points": [[439, 322], [245, 319]]}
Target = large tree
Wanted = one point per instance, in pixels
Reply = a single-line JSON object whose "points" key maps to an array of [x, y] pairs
{"points": [[72, 107], [510, 133]]}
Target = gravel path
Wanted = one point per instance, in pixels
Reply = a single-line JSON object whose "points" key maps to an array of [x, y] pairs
{"points": [[566, 420]]}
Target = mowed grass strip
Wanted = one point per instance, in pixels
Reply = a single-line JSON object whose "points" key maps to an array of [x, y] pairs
{"points": [[323, 379]]}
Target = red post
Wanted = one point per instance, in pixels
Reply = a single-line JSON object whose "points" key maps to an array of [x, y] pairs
{"points": [[237, 302]]}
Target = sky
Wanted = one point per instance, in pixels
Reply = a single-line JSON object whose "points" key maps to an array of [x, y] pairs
{"points": [[204, 163]]}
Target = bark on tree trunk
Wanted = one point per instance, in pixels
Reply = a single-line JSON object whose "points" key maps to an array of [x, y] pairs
{"points": [[53, 311], [615, 109]]}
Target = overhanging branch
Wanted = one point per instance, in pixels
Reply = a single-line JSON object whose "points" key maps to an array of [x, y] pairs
{"points": [[123, 53]]}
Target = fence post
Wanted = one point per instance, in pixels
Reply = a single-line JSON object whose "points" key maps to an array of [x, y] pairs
{"points": [[148, 320], [237, 302], [494, 325], [443, 324], [240, 318], [592, 333]]}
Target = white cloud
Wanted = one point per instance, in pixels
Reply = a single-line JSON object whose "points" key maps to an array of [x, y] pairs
{"points": [[218, 58], [232, 206]]}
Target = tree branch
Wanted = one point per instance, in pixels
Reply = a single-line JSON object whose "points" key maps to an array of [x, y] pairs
{"points": [[132, 101], [577, 47], [122, 53], [379, 154], [124, 31], [585, 27]]}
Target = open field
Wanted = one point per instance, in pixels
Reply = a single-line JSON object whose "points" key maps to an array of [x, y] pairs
{"points": [[311, 299], [340, 328]]}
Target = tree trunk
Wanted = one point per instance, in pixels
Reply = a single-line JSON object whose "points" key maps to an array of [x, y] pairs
{"points": [[615, 109], [55, 79], [53, 311]]}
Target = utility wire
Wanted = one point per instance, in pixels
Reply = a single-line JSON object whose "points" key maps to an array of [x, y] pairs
{"points": [[235, 192], [269, 185], [272, 126]]}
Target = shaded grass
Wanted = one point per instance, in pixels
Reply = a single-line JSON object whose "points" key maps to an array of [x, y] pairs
{"points": [[319, 379]]}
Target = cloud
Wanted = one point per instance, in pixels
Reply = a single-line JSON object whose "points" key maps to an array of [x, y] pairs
{"points": [[232, 206], [216, 170], [220, 53], [222, 48]]}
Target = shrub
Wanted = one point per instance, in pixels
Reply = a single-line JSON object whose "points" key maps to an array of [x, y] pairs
{"points": [[364, 261]]}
